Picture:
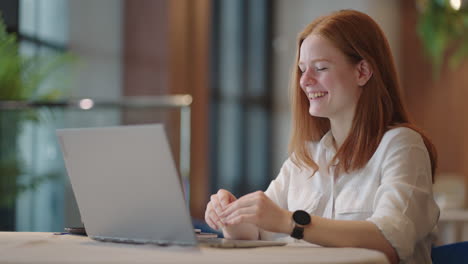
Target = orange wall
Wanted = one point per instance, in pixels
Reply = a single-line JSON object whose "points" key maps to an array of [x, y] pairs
{"points": [[439, 106], [166, 46]]}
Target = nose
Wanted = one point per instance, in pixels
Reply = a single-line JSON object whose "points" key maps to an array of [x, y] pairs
{"points": [[307, 79]]}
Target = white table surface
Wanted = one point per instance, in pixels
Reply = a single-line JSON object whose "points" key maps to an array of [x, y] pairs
{"points": [[29, 247]]}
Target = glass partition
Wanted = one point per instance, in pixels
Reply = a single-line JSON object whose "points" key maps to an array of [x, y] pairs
{"points": [[35, 194]]}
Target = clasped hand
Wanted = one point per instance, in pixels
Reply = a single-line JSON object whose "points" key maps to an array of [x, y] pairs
{"points": [[254, 208]]}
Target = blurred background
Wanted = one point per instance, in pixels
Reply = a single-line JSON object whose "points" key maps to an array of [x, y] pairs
{"points": [[85, 63]]}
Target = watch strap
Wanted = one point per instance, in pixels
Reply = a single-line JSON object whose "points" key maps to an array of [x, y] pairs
{"points": [[298, 232]]}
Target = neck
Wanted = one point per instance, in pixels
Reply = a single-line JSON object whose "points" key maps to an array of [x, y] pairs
{"points": [[340, 128]]}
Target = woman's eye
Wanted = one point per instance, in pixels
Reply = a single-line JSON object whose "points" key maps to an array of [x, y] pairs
{"points": [[321, 69]]}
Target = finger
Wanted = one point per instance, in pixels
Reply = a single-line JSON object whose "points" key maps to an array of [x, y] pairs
{"points": [[211, 223], [225, 197], [241, 203], [245, 218], [211, 218], [211, 212], [252, 210], [215, 204], [208, 220], [217, 221], [245, 200], [258, 195]]}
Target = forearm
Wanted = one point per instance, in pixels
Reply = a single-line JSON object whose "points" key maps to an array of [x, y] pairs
{"points": [[241, 231], [341, 233]]}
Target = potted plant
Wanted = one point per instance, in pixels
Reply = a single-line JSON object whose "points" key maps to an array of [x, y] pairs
{"points": [[443, 29], [21, 78]]}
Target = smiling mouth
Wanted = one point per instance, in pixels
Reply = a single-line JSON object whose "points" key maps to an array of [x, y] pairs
{"points": [[313, 96]]}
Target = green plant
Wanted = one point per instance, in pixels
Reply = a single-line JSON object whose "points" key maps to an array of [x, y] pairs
{"points": [[22, 78], [442, 28]]}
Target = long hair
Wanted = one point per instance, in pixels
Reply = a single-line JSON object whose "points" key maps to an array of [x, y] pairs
{"points": [[379, 107]]}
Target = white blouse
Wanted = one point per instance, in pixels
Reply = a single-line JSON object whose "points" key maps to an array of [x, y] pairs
{"points": [[394, 191]]}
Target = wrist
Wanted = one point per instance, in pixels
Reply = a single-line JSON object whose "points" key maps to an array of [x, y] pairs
{"points": [[301, 220], [288, 223]]}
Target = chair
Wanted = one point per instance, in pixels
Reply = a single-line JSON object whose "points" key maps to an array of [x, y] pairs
{"points": [[455, 253]]}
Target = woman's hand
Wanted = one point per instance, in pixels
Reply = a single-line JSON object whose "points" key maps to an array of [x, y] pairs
{"points": [[215, 207], [256, 208]]}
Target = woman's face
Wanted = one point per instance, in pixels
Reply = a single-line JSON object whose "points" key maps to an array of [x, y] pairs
{"points": [[328, 79]]}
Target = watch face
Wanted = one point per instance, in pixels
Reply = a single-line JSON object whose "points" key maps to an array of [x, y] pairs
{"points": [[301, 217]]}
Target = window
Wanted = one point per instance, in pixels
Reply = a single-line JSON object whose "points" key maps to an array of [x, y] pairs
{"points": [[41, 27], [241, 96]]}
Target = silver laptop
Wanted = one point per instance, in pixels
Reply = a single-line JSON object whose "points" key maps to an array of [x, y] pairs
{"points": [[128, 189]]}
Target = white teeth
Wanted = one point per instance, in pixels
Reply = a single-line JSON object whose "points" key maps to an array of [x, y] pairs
{"points": [[316, 95]]}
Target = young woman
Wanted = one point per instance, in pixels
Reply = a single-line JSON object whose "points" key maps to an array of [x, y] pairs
{"points": [[360, 173]]}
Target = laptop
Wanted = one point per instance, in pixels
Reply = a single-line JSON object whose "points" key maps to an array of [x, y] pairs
{"points": [[128, 189]]}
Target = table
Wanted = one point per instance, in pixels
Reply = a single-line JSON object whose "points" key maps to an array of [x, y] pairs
{"points": [[453, 215], [453, 226], [28, 247]]}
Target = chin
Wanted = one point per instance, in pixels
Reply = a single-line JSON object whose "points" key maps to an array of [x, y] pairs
{"points": [[314, 112]]}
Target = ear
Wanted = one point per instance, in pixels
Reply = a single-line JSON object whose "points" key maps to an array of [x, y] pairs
{"points": [[363, 72]]}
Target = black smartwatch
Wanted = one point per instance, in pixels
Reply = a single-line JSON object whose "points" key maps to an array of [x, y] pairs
{"points": [[301, 218]]}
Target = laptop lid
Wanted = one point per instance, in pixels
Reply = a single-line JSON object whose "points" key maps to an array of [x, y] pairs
{"points": [[126, 184]]}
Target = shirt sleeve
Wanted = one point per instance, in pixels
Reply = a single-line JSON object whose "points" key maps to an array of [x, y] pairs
{"points": [[404, 208], [277, 191]]}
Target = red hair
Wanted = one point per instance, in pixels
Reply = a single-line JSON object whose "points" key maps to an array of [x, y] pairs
{"points": [[380, 105]]}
